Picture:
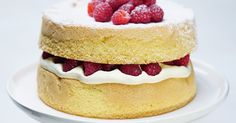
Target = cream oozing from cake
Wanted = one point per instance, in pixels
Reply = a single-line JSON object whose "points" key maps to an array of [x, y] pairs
{"points": [[74, 13], [115, 76]]}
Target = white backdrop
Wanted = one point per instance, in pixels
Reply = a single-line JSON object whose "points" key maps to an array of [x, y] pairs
{"points": [[20, 22]]}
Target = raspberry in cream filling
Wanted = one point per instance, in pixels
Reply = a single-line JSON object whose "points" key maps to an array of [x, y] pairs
{"points": [[96, 73]]}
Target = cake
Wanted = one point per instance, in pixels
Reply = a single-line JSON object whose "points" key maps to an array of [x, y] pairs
{"points": [[131, 67]]}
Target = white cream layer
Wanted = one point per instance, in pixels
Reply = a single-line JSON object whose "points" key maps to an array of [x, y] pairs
{"points": [[74, 13], [115, 76]]}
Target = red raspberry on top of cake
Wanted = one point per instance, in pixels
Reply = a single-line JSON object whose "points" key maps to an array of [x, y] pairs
{"points": [[138, 11]]}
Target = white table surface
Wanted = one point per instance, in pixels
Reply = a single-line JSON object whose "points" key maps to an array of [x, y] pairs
{"points": [[20, 22]]}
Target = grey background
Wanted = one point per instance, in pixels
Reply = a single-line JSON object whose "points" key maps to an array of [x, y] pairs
{"points": [[20, 22]]}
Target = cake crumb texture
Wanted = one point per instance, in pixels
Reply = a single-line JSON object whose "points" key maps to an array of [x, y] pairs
{"points": [[119, 46]]}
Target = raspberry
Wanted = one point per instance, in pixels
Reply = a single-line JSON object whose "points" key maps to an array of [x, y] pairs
{"points": [[127, 7], [183, 61], [180, 62], [136, 2], [102, 12], [156, 13], [90, 68], [92, 5], [90, 9], [133, 70], [140, 14], [69, 64], [58, 60], [46, 55], [115, 4], [120, 17], [152, 69], [108, 67], [172, 63], [149, 2]]}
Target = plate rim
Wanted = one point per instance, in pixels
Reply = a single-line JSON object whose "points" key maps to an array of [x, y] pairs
{"points": [[221, 98]]}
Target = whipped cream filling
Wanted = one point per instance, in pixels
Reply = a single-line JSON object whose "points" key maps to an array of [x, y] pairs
{"points": [[115, 76]]}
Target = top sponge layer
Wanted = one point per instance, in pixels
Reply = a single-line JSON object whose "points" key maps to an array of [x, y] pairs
{"points": [[68, 31]]}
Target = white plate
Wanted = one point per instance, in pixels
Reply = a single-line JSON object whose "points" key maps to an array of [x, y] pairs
{"points": [[212, 90]]}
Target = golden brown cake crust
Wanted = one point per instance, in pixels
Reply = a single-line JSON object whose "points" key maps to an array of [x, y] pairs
{"points": [[119, 46], [114, 101]]}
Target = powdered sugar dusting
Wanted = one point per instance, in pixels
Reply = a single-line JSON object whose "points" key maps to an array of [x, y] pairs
{"points": [[66, 14], [141, 8]]}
